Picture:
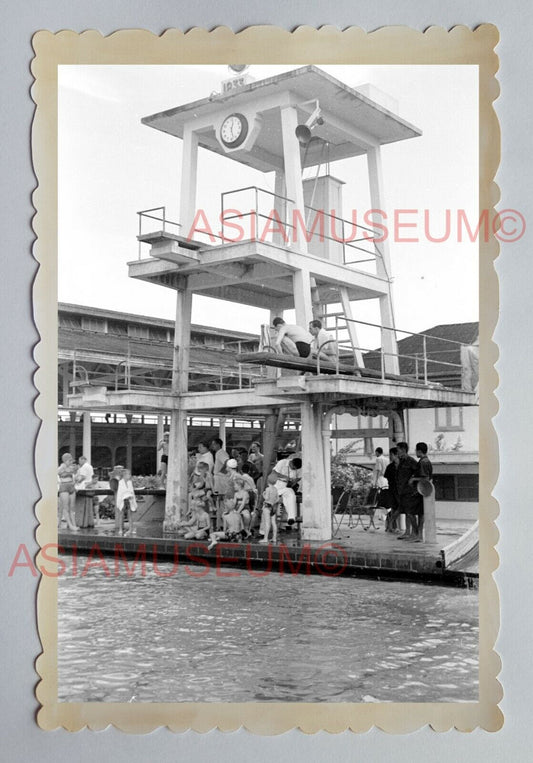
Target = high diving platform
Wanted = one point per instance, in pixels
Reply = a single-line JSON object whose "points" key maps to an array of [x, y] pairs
{"points": [[283, 245]]}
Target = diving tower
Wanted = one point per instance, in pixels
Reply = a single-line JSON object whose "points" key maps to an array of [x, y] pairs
{"points": [[287, 249]]}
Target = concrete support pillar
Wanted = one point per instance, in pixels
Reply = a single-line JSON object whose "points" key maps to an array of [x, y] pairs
{"points": [[280, 206], [65, 388], [158, 437], [396, 427], [430, 521], [222, 430], [301, 282], [316, 492], [129, 444], [383, 267], [176, 496], [293, 172], [72, 435], [189, 166], [270, 429], [86, 440]]}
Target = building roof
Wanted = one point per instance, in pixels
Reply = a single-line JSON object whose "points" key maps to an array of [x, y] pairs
{"points": [[98, 312]]}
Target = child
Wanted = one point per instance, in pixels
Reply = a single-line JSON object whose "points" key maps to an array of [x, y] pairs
{"points": [[232, 521], [242, 504], [270, 509], [196, 493], [126, 502], [197, 527]]}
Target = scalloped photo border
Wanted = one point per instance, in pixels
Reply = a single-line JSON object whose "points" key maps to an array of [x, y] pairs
{"points": [[260, 45]]}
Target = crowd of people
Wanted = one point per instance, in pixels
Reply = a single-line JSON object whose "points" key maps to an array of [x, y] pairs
{"points": [[73, 476], [233, 496], [398, 482], [230, 497]]}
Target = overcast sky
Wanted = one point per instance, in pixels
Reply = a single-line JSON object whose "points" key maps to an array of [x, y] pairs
{"points": [[111, 166]]}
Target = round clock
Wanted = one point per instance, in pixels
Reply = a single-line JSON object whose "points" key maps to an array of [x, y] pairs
{"points": [[234, 130]]}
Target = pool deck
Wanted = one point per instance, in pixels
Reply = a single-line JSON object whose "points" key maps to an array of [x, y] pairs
{"points": [[354, 551]]}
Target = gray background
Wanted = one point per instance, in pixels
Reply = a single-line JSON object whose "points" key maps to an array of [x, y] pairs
{"points": [[21, 738]]}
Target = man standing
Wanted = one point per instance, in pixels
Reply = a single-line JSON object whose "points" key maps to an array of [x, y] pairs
{"points": [[378, 478], [378, 473], [291, 339], [220, 482], [424, 472], [114, 478], [163, 446], [392, 490], [289, 473], [408, 495], [322, 341]]}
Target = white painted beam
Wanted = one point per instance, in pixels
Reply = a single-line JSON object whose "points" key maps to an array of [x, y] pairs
{"points": [[377, 197]]}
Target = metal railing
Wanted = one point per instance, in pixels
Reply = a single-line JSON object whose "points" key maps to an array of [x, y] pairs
{"points": [[424, 361], [346, 353], [282, 219], [274, 218], [148, 214], [130, 374]]}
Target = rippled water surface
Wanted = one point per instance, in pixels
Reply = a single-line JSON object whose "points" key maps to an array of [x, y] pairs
{"points": [[276, 638]]}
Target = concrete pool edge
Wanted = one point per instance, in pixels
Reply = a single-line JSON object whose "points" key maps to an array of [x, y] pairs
{"points": [[329, 559]]}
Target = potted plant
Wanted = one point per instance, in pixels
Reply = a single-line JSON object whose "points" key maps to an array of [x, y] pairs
{"points": [[346, 476]]}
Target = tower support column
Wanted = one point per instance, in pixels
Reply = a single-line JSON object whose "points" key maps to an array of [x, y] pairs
{"points": [[383, 263], [176, 496], [316, 492], [86, 438]]}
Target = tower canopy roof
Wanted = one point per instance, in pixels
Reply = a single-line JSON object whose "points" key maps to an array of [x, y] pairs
{"points": [[352, 121]]}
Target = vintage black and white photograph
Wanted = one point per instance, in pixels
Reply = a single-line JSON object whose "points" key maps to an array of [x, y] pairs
{"points": [[268, 383]]}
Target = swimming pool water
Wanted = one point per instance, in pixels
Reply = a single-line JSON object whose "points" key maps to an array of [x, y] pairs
{"points": [[278, 638]]}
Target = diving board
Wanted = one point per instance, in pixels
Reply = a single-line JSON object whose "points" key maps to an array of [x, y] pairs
{"points": [[296, 363]]}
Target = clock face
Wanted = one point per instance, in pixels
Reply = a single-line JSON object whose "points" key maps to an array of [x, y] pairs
{"points": [[234, 130]]}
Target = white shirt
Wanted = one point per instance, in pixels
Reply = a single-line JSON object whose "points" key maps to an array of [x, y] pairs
{"points": [[87, 472], [319, 340], [378, 473], [287, 472], [205, 458]]}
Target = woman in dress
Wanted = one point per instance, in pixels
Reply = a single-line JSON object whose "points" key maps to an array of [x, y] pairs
{"points": [[67, 491]]}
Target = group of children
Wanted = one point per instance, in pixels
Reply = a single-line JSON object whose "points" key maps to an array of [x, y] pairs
{"points": [[233, 516]]}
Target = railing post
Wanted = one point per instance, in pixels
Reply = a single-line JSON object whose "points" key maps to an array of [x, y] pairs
{"points": [[425, 360], [164, 218], [140, 233]]}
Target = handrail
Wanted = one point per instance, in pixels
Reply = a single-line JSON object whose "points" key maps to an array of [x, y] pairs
{"points": [[401, 331], [254, 212]]}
